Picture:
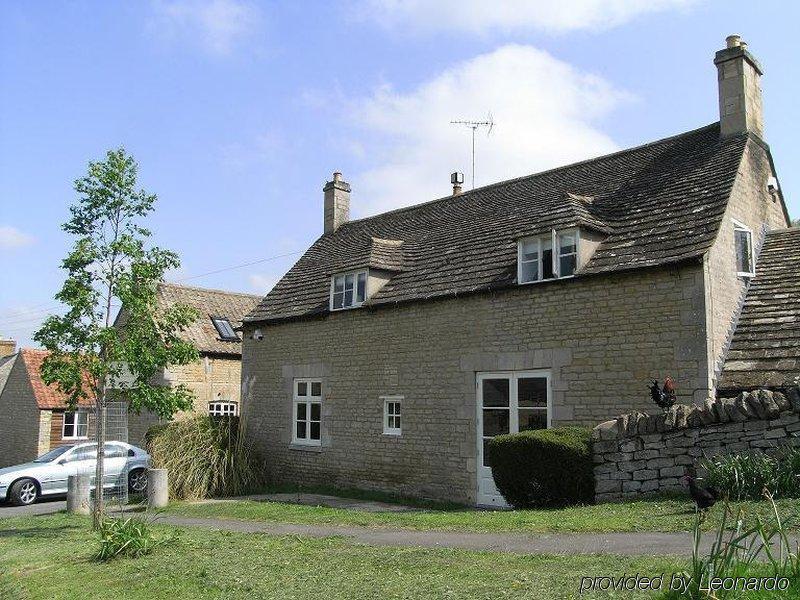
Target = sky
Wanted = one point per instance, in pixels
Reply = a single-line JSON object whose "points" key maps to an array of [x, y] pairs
{"points": [[238, 111]]}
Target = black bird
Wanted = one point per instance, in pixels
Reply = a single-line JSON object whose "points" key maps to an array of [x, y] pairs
{"points": [[665, 397], [704, 497]]}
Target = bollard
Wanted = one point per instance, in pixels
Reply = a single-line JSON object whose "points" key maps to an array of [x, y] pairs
{"points": [[78, 494], [157, 490]]}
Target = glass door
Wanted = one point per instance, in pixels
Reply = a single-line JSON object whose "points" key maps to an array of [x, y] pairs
{"points": [[508, 402]]}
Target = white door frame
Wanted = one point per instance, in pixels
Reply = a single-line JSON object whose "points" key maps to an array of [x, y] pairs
{"points": [[497, 500]]}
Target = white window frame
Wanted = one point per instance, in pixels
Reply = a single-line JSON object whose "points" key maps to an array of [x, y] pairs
{"points": [[355, 275], [308, 400], [223, 408], [555, 237], [739, 226], [389, 427], [76, 425]]}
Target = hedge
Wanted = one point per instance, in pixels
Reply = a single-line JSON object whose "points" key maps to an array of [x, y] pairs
{"points": [[544, 467]]}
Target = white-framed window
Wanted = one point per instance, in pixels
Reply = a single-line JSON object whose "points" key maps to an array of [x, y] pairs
{"points": [[743, 242], [307, 412], [348, 290], [538, 261], [223, 408], [76, 425], [391, 415]]}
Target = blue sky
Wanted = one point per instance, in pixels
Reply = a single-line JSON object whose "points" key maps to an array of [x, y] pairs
{"points": [[238, 111]]}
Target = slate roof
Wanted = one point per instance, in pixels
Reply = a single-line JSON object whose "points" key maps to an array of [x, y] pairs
{"points": [[47, 397], [765, 349], [217, 303], [658, 204]]}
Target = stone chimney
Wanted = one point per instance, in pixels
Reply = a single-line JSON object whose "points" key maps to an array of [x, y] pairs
{"points": [[337, 203], [457, 179], [7, 347], [739, 76]]}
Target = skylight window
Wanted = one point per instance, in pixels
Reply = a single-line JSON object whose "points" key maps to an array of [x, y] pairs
{"points": [[348, 290], [225, 330]]}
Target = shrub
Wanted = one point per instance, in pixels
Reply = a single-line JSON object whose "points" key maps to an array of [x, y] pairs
{"points": [[745, 476], [205, 457], [546, 467], [127, 537]]}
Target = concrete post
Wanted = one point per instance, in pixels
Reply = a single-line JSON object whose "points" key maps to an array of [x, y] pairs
{"points": [[157, 488], [78, 494]]}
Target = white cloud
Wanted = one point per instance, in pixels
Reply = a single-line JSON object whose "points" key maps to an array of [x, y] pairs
{"points": [[480, 16], [545, 114], [218, 26], [262, 283], [10, 237]]}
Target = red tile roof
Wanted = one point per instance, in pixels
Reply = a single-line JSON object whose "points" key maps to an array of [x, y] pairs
{"points": [[48, 397]]}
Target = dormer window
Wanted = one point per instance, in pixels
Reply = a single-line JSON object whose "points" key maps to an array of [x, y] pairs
{"points": [[538, 261], [224, 329], [348, 290]]}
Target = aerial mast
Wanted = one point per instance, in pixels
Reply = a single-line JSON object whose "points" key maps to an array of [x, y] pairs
{"points": [[474, 125]]}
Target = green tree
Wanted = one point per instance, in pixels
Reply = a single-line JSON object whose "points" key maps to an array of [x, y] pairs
{"points": [[111, 265], [796, 223]]}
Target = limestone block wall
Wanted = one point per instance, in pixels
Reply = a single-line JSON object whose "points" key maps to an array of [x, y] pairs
{"points": [[638, 454], [601, 338]]}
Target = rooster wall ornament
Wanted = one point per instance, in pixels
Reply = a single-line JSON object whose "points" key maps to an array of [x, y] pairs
{"points": [[664, 397]]}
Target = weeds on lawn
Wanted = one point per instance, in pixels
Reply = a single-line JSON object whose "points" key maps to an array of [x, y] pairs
{"points": [[745, 476], [131, 536], [741, 555]]}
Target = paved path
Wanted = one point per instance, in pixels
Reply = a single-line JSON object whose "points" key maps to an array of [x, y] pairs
{"points": [[43, 507], [632, 544]]}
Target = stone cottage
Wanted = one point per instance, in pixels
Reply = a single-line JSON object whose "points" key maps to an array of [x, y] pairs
{"points": [[33, 415], [399, 344], [215, 379]]}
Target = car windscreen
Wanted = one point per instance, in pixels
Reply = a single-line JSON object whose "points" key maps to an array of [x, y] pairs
{"points": [[53, 454]]}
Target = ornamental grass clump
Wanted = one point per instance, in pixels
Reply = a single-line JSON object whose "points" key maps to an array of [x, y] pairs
{"points": [[131, 537], [759, 561], [745, 476], [205, 457]]}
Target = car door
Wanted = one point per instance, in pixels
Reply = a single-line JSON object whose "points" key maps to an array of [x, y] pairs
{"points": [[77, 461], [116, 457]]}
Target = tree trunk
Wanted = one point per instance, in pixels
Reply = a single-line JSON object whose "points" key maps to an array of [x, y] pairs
{"points": [[100, 436]]}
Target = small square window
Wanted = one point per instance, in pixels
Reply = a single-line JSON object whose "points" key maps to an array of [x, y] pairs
{"points": [[539, 259], [223, 408], [392, 414], [225, 330], [76, 425]]}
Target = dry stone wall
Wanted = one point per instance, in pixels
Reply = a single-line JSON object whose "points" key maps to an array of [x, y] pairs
{"points": [[638, 454]]}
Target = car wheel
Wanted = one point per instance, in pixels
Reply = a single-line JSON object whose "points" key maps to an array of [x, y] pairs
{"points": [[24, 492], [137, 481]]}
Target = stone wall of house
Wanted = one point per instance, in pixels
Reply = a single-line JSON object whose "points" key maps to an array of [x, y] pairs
{"points": [[212, 379], [601, 338], [638, 454], [751, 205], [19, 418]]}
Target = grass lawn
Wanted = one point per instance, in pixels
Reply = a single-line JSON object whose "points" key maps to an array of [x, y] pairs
{"points": [[663, 514], [49, 558]]}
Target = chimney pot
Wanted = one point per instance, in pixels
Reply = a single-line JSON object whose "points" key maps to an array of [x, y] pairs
{"points": [[336, 208], [733, 40]]}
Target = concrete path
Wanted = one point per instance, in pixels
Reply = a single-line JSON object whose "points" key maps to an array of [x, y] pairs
{"points": [[630, 544]]}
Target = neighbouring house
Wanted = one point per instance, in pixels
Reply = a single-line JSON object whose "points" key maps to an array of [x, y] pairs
{"points": [[400, 344], [215, 379], [33, 415]]}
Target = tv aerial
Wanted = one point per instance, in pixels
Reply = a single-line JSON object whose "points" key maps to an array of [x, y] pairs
{"points": [[474, 125]]}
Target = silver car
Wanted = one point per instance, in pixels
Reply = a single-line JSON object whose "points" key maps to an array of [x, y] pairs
{"points": [[47, 475]]}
